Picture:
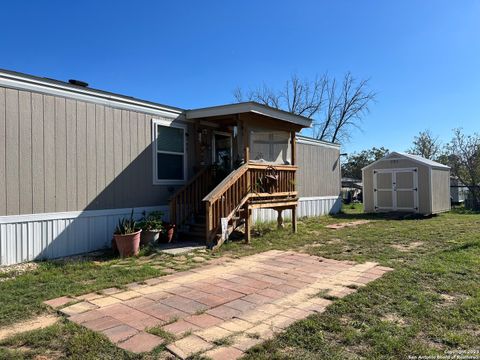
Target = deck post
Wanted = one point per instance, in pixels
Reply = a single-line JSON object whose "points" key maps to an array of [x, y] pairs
{"points": [[294, 219], [248, 223], [279, 219]]}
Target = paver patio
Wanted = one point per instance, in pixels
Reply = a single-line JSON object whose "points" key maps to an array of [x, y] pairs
{"points": [[244, 300]]}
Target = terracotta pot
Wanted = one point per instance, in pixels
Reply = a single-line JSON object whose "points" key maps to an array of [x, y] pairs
{"points": [[169, 231], [129, 244], [149, 236]]}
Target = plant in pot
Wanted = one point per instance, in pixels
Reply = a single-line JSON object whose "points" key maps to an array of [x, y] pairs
{"points": [[127, 237], [168, 231], [152, 226]]}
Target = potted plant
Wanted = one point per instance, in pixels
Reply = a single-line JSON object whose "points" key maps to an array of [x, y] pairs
{"points": [[127, 237], [151, 226], [169, 230]]}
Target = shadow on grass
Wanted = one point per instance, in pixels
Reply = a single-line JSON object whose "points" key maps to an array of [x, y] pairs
{"points": [[382, 216]]}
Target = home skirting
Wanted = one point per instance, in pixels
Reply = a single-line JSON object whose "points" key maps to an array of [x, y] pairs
{"points": [[53, 235]]}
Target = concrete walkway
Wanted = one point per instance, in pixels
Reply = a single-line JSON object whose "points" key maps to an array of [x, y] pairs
{"points": [[239, 303]]}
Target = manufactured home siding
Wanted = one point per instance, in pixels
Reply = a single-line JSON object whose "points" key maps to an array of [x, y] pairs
{"points": [[423, 183], [318, 170], [440, 190], [62, 154]]}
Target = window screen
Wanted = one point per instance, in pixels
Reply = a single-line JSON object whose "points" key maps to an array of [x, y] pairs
{"points": [[272, 147]]}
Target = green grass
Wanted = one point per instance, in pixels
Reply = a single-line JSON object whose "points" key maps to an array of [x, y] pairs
{"points": [[429, 303], [22, 297]]}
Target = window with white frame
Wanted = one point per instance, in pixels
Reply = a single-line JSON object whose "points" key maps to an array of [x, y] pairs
{"points": [[169, 152]]}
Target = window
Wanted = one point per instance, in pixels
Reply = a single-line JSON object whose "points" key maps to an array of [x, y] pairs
{"points": [[271, 147], [169, 153]]}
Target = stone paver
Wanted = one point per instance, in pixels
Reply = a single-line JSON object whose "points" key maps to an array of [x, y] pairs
{"points": [[141, 342], [224, 353], [188, 346], [59, 302], [78, 308], [119, 333], [242, 299], [180, 327]]}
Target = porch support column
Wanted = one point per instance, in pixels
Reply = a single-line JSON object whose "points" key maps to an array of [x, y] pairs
{"points": [[279, 219], [294, 219], [293, 141], [246, 141], [248, 223]]}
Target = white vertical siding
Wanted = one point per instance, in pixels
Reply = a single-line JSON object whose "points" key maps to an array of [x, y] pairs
{"points": [[307, 207], [40, 236]]}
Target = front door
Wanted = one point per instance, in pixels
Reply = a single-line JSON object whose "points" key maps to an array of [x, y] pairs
{"points": [[395, 190], [222, 150]]}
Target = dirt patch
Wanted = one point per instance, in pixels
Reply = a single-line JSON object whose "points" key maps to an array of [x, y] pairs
{"points": [[394, 318], [347, 224], [39, 322], [407, 247], [12, 271]]}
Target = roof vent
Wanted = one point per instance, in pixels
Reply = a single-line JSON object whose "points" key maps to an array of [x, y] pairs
{"points": [[78, 83]]}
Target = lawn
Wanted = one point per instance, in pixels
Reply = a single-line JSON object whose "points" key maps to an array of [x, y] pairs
{"points": [[428, 305]]}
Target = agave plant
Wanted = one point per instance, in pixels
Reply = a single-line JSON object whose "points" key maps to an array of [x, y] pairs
{"points": [[126, 226]]}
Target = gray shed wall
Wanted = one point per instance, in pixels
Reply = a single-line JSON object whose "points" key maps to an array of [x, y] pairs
{"points": [[423, 183], [62, 154], [440, 191], [318, 170]]}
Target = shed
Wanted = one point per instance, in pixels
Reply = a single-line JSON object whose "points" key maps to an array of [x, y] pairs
{"points": [[405, 182]]}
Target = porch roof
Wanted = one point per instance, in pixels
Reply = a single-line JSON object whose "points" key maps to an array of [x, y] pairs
{"points": [[248, 107]]}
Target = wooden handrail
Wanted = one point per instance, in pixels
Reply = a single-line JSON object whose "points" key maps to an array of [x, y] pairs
{"points": [[220, 188], [242, 185], [188, 199]]}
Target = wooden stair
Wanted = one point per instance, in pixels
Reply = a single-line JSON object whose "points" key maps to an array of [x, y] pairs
{"points": [[199, 217]]}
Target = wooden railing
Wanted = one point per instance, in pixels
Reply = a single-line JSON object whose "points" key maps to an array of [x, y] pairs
{"points": [[188, 199], [245, 183]]}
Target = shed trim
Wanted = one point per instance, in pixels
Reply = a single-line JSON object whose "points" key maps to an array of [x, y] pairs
{"points": [[403, 156]]}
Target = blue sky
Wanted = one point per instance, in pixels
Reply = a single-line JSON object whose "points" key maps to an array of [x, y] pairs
{"points": [[422, 57]]}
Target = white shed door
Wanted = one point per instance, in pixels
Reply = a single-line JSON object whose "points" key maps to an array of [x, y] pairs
{"points": [[395, 190]]}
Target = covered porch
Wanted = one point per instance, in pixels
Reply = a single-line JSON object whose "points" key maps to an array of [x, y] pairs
{"points": [[245, 158]]}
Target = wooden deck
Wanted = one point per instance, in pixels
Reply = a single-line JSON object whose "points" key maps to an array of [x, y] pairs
{"points": [[251, 186]]}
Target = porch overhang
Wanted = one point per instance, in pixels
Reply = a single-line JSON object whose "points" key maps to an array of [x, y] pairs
{"points": [[225, 112]]}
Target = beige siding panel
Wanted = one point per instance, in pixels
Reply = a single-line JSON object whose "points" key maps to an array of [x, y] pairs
{"points": [[12, 155], [91, 155], [60, 156], [367, 179], [38, 168], [109, 192], [49, 157], [3, 191], [123, 179], [81, 154], [133, 120], [141, 132], [71, 118], [100, 154], [117, 156], [440, 191], [25, 151], [76, 156], [319, 170]]}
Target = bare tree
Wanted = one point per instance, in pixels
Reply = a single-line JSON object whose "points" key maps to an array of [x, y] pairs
{"points": [[334, 110], [426, 145], [463, 154]]}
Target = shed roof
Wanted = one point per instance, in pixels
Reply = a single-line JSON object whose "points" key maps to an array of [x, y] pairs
{"points": [[415, 158]]}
